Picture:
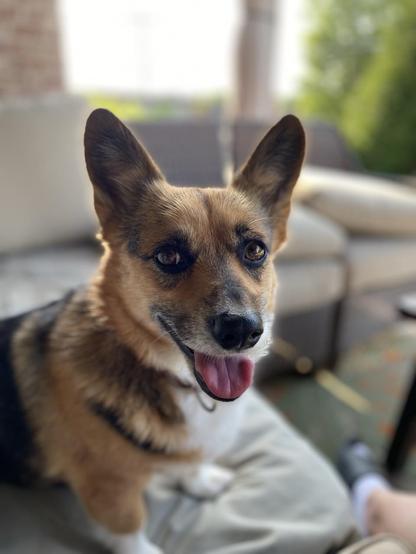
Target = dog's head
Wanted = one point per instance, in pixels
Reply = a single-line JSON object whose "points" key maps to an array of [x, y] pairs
{"points": [[196, 264]]}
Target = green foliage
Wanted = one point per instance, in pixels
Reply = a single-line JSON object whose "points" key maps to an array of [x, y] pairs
{"points": [[155, 108], [342, 40], [128, 110], [361, 76], [379, 116], [205, 106]]}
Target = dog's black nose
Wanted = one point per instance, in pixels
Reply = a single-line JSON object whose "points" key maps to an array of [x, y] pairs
{"points": [[235, 331]]}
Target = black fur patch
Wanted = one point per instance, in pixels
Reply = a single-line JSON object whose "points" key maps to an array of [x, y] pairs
{"points": [[16, 445], [113, 419], [118, 366], [16, 441]]}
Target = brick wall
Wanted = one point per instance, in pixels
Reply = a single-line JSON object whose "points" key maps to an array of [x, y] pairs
{"points": [[30, 61]]}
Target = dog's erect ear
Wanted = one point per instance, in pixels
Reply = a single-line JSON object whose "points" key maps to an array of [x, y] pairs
{"points": [[118, 166], [272, 171]]}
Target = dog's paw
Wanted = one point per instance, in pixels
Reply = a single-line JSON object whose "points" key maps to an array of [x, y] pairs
{"points": [[136, 543], [207, 481], [147, 547]]}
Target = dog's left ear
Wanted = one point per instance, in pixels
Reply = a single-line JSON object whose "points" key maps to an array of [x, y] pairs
{"points": [[119, 167], [272, 171]]}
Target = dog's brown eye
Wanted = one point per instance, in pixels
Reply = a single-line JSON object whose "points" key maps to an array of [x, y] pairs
{"points": [[172, 258], [254, 251], [169, 257]]}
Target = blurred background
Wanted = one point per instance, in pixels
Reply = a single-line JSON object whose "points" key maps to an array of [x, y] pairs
{"points": [[199, 83]]}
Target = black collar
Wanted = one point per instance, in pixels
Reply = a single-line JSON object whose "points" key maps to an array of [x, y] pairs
{"points": [[111, 417]]}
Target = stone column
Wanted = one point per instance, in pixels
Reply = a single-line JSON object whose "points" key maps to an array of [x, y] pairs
{"points": [[253, 98], [30, 60]]}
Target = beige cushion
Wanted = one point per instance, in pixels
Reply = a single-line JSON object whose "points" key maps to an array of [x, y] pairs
{"points": [[310, 235], [361, 203], [305, 285], [377, 263], [44, 192]]}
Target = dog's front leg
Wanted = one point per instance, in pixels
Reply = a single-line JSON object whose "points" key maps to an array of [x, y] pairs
{"points": [[133, 543], [116, 504], [207, 480]]}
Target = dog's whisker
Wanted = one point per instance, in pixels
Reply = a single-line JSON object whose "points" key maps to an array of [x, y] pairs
{"points": [[251, 222], [161, 336]]}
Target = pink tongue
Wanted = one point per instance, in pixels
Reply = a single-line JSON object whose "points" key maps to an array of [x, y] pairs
{"points": [[225, 377]]}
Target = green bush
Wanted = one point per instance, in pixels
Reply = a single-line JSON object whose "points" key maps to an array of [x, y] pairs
{"points": [[128, 110], [362, 77], [379, 116], [342, 39]]}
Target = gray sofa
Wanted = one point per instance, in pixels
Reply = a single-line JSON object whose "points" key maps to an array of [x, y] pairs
{"points": [[47, 224]]}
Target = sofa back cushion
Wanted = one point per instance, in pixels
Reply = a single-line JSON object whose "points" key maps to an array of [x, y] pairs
{"points": [[325, 146], [362, 204], [45, 196], [309, 235], [188, 151]]}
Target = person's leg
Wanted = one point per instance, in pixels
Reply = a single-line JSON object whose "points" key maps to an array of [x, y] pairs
{"points": [[359, 470], [381, 544], [285, 498], [392, 512], [377, 507]]}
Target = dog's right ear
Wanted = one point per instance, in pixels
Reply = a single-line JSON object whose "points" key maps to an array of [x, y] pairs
{"points": [[271, 172], [118, 165]]}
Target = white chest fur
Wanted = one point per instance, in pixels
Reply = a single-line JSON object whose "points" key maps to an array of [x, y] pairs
{"points": [[214, 433]]}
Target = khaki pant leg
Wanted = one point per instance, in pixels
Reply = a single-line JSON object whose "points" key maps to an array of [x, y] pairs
{"points": [[381, 544], [285, 499]]}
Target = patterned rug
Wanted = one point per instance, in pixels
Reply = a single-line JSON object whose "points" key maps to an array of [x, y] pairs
{"points": [[380, 371]]}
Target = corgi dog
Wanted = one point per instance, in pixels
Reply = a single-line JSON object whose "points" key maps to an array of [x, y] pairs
{"points": [[141, 371]]}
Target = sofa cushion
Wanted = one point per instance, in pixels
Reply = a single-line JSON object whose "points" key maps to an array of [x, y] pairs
{"points": [[30, 279], [377, 263], [44, 192], [311, 236], [305, 285], [361, 203], [188, 151]]}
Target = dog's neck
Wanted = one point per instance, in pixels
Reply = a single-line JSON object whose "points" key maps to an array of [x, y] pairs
{"points": [[111, 377]]}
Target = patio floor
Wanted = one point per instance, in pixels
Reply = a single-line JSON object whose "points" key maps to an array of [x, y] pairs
{"points": [[379, 371]]}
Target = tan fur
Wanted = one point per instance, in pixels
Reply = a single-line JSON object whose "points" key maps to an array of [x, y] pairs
{"points": [[77, 447], [106, 345]]}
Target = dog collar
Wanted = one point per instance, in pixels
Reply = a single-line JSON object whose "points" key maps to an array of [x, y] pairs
{"points": [[197, 392], [111, 417]]}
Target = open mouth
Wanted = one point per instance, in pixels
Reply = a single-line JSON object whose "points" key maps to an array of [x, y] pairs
{"points": [[223, 378]]}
